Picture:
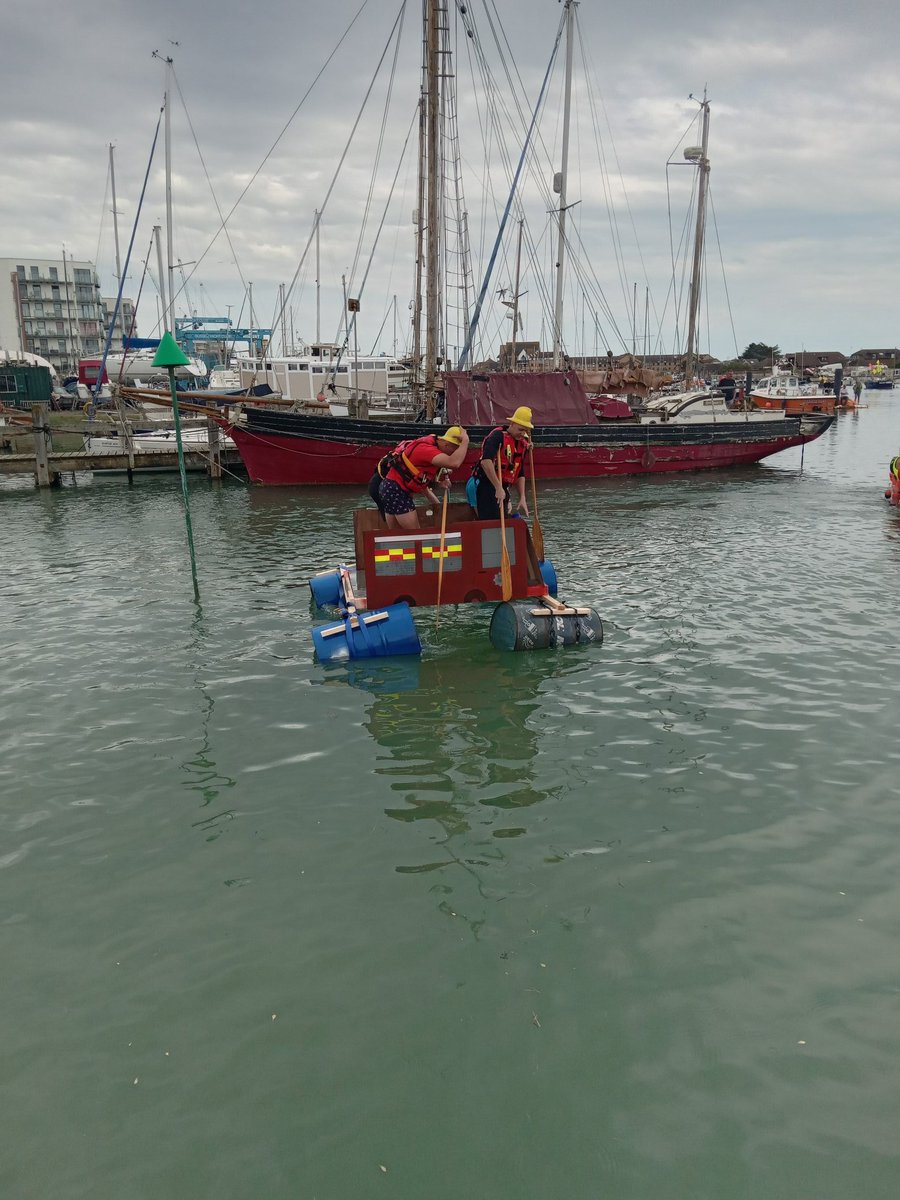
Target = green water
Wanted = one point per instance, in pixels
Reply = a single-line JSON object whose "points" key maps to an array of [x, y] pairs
{"points": [[617, 923]]}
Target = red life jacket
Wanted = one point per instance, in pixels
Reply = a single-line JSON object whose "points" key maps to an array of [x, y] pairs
{"points": [[512, 456], [400, 469]]}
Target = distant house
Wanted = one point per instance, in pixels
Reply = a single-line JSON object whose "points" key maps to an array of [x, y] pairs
{"points": [[865, 358], [811, 359]]}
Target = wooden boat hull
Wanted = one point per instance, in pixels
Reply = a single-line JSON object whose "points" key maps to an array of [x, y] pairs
{"points": [[284, 449], [795, 406]]}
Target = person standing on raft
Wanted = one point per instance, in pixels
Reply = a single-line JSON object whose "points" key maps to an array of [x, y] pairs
{"points": [[413, 467], [491, 489]]}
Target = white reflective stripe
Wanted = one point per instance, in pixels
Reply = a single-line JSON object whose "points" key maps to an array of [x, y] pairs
{"points": [[416, 537]]}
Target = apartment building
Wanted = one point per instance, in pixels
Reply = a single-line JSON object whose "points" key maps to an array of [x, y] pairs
{"points": [[53, 307]]}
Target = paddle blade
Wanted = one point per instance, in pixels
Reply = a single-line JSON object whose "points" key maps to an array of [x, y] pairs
{"points": [[537, 534], [505, 568], [537, 537], [505, 571], [440, 580]]}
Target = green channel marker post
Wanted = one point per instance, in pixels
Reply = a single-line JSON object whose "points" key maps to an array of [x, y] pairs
{"points": [[170, 356]]}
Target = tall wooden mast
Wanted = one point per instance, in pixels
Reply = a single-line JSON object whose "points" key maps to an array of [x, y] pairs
{"points": [[433, 221], [559, 186], [702, 162]]}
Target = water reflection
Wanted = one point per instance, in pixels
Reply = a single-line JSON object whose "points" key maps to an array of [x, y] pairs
{"points": [[458, 736], [203, 777]]}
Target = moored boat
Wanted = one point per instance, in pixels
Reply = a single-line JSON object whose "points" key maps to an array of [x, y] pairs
{"points": [[792, 395], [282, 448], [161, 441]]}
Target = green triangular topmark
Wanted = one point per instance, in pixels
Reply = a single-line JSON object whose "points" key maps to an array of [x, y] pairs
{"points": [[169, 353]]}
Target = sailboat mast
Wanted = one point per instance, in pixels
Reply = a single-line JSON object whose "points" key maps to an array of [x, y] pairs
{"points": [[699, 235], [433, 154], [559, 186], [318, 284], [115, 211], [515, 308], [70, 323], [420, 250], [162, 278], [170, 255], [252, 328]]}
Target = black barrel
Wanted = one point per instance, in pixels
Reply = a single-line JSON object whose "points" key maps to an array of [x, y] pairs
{"points": [[513, 627]]}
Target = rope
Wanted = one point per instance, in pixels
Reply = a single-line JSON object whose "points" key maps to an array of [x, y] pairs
{"points": [[306, 453]]}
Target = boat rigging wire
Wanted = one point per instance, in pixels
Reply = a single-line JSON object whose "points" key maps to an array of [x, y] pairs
{"points": [[605, 176], [112, 322], [378, 149], [360, 291], [337, 171], [284, 130], [490, 133], [102, 215], [724, 278], [464, 355], [212, 192]]}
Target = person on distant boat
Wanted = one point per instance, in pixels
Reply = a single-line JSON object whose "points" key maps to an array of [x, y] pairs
{"points": [[412, 467], [893, 490], [857, 388], [727, 387], [487, 490]]}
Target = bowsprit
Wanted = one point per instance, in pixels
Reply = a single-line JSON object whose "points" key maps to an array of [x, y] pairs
{"points": [[467, 562]]}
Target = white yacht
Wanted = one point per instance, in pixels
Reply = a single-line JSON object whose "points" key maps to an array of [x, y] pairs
{"points": [[135, 367], [700, 406]]}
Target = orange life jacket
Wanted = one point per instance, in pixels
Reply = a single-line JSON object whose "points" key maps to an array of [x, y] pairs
{"points": [[399, 467], [512, 456]]}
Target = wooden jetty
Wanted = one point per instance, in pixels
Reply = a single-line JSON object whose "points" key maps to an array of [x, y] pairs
{"points": [[48, 465]]}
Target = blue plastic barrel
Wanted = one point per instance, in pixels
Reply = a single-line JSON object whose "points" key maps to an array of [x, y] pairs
{"points": [[326, 588], [548, 573], [394, 632]]}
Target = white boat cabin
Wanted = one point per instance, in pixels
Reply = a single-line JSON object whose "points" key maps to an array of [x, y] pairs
{"points": [[322, 374]]}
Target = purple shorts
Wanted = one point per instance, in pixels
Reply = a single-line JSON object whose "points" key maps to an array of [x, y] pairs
{"points": [[395, 499]]}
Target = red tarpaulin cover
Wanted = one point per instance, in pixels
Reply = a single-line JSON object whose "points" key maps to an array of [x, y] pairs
{"points": [[555, 398]]}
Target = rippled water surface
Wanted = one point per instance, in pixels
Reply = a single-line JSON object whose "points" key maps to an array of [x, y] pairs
{"points": [[611, 923]]}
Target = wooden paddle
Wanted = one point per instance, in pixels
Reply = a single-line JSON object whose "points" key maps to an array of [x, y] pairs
{"points": [[537, 534], [437, 620], [505, 568]]}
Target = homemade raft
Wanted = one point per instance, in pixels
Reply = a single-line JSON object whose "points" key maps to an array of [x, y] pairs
{"points": [[399, 569]]}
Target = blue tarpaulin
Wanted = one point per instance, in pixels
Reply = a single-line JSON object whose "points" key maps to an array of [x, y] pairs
{"points": [[141, 343]]}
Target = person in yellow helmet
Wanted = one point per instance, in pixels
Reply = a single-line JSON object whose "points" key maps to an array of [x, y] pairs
{"points": [[893, 489], [492, 488], [412, 467]]}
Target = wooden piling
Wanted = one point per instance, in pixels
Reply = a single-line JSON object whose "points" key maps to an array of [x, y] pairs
{"points": [[215, 449], [41, 430]]}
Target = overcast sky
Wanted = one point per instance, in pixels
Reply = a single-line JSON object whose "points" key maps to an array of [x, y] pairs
{"points": [[804, 147]]}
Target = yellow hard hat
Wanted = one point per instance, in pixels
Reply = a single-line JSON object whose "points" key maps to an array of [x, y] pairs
{"points": [[522, 416], [454, 434]]}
